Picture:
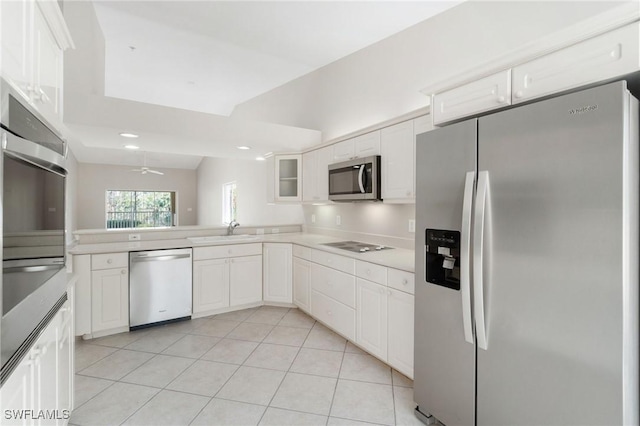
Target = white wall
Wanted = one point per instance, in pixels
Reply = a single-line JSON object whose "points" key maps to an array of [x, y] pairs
{"points": [[368, 222], [95, 179], [383, 81], [250, 177]]}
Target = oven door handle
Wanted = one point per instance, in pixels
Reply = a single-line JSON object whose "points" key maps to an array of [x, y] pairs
{"points": [[361, 178]]}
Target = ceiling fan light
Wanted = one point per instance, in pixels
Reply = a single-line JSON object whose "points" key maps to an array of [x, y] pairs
{"points": [[129, 135]]}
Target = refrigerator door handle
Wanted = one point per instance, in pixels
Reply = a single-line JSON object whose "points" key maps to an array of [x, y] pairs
{"points": [[465, 256], [478, 259]]}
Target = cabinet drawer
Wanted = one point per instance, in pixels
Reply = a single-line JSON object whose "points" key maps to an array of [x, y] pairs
{"points": [[482, 95], [335, 284], [401, 280], [371, 272], [336, 315], [367, 145], [302, 252], [334, 261], [218, 252], [607, 56], [109, 260]]}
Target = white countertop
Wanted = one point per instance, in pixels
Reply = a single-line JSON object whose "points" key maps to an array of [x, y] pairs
{"points": [[397, 258]]}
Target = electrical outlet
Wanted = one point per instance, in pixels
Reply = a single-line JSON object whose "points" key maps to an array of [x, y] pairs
{"points": [[275, 230], [313, 218], [412, 225], [134, 237], [338, 220], [260, 231]]}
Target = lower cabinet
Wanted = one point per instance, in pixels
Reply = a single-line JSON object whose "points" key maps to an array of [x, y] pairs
{"points": [[109, 299], [371, 306], [210, 285], [301, 283], [245, 280], [400, 310], [42, 382], [277, 276]]}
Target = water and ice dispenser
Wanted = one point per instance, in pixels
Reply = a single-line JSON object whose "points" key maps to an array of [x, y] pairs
{"points": [[442, 258]]}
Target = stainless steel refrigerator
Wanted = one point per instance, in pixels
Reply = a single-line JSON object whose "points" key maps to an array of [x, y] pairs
{"points": [[526, 300]]}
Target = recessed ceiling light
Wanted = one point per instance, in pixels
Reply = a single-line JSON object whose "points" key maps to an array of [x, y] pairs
{"points": [[260, 158], [129, 135], [132, 147], [243, 147]]}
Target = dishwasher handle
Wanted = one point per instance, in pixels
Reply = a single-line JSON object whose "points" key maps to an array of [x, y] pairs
{"points": [[146, 258]]}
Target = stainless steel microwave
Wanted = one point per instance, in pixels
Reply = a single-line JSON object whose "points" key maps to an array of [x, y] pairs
{"points": [[355, 180]]}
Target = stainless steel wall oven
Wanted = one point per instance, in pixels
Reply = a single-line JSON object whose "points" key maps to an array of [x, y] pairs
{"points": [[33, 226]]}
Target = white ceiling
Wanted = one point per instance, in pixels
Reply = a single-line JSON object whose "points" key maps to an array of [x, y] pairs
{"points": [[209, 56]]}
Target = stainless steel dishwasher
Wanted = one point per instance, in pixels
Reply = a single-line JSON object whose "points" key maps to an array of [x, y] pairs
{"points": [[159, 286]]}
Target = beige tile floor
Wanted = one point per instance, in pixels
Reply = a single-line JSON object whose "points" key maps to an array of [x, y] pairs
{"points": [[266, 366]]}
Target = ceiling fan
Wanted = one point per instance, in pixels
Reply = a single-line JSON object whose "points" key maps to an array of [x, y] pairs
{"points": [[144, 169]]}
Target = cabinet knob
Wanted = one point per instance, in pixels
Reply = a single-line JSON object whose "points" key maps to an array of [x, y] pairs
{"points": [[124, 271], [405, 281], [519, 94], [109, 261], [502, 99]]}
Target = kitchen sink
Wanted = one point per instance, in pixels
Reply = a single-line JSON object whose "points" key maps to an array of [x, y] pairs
{"points": [[222, 238]]}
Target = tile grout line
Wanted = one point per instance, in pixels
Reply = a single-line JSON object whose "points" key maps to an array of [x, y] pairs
{"points": [[335, 390]]}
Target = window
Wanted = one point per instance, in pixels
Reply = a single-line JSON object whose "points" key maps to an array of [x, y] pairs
{"points": [[140, 209], [229, 202]]}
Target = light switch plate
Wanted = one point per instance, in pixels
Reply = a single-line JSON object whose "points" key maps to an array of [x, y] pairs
{"points": [[412, 225]]}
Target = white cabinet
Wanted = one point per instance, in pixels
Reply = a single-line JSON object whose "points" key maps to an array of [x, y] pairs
{"points": [[277, 279], [288, 177], [245, 280], [358, 147], [301, 283], [47, 78], [109, 299], [109, 291], [400, 312], [82, 294], [371, 308], [210, 285], [225, 276], [43, 380], [607, 56], [315, 175], [398, 158], [473, 98], [16, 35], [34, 37]]}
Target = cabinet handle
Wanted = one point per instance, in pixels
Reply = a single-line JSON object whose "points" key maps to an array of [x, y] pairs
{"points": [[502, 99], [519, 94]]}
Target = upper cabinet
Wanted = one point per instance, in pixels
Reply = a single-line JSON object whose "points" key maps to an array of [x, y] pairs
{"points": [[398, 145], [315, 175], [288, 177], [478, 96], [34, 37], [358, 147], [607, 56]]}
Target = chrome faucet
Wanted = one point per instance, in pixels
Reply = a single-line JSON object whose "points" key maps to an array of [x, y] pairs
{"points": [[232, 226]]}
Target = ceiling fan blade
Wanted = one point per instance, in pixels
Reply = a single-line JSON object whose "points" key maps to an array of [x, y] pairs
{"points": [[155, 172]]}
